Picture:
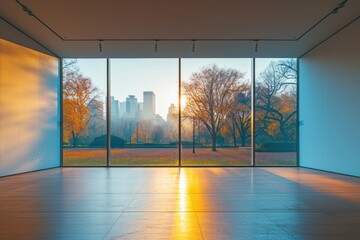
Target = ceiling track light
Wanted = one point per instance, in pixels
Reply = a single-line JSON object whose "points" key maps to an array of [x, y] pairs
{"points": [[27, 10], [341, 5], [256, 45], [295, 39], [193, 45], [156, 45], [100, 45]]}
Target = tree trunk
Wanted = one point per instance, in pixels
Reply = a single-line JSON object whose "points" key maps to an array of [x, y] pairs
{"points": [[283, 131], [234, 139], [243, 141], [74, 139], [214, 142], [234, 133]]}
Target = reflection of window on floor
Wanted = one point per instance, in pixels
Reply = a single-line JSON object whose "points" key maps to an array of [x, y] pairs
{"points": [[216, 110]]}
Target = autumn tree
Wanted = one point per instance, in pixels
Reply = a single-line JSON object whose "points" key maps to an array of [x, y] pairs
{"points": [[79, 95], [209, 94], [276, 100], [144, 130]]}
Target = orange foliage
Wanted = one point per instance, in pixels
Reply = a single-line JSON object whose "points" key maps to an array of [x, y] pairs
{"points": [[78, 94]]}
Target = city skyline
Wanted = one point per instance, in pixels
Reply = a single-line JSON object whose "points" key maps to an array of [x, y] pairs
{"points": [[134, 76], [132, 108]]}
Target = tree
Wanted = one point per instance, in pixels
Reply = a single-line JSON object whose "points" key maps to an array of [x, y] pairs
{"points": [[97, 123], [276, 100], [79, 96], [128, 128], [144, 130], [230, 128], [157, 134], [209, 94], [241, 113]]}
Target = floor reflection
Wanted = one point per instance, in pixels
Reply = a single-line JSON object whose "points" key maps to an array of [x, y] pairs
{"points": [[325, 183], [179, 203], [186, 225]]}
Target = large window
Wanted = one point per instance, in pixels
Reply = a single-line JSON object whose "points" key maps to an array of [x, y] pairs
{"points": [[234, 112], [216, 116], [84, 112], [144, 112], [275, 112]]}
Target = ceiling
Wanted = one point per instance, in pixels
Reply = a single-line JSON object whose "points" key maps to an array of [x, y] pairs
{"points": [[178, 28]]}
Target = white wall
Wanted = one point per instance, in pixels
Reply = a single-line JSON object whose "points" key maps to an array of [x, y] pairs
{"points": [[329, 91], [29, 110]]}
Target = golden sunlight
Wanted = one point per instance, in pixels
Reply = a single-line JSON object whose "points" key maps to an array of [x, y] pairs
{"points": [[182, 191], [183, 102], [185, 222], [320, 183]]}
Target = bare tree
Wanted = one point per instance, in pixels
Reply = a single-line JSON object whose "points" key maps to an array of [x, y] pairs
{"points": [[231, 129], [276, 98], [209, 94], [241, 112]]}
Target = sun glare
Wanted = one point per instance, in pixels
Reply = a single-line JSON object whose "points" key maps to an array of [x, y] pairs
{"points": [[183, 102]]}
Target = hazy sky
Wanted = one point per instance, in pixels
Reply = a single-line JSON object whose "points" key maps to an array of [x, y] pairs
{"points": [[160, 75]]}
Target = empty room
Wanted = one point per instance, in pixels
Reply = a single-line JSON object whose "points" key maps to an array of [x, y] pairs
{"points": [[179, 119]]}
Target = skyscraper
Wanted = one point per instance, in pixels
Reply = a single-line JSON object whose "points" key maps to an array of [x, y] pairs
{"points": [[131, 106], [114, 104], [122, 109], [149, 105]]}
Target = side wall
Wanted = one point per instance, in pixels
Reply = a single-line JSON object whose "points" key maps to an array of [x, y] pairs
{"points": [[29, 110], [329, 92]]}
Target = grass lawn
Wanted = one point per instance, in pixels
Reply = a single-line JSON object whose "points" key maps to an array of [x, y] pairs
{"points": [[169, 157]]}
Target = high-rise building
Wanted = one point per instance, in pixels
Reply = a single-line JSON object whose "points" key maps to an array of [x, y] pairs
{"points": [[140, 110], [149, 105], [131, 106], [122, 109], [173, 113], [114, 108]]}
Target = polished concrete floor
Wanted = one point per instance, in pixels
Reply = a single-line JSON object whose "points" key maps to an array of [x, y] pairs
{"points": [[174, 203]]}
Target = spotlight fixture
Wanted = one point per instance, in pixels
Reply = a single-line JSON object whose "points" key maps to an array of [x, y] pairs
{"points": [[156, 45], [100, 45], [341, 5], [256, 45], [193, 45], [27, 10]]}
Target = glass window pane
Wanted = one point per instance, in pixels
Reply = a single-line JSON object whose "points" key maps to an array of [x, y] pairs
{"points": [[144, 125], [276, 112], [216, 112], [84, 112]]}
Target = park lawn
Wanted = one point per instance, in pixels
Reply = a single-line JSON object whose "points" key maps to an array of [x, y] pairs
{"points": [[169, 157]]}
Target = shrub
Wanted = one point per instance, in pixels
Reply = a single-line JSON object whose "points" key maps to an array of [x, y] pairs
{"points": [[149, 145], [186, 144], [277, 147], [101, 142]]}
